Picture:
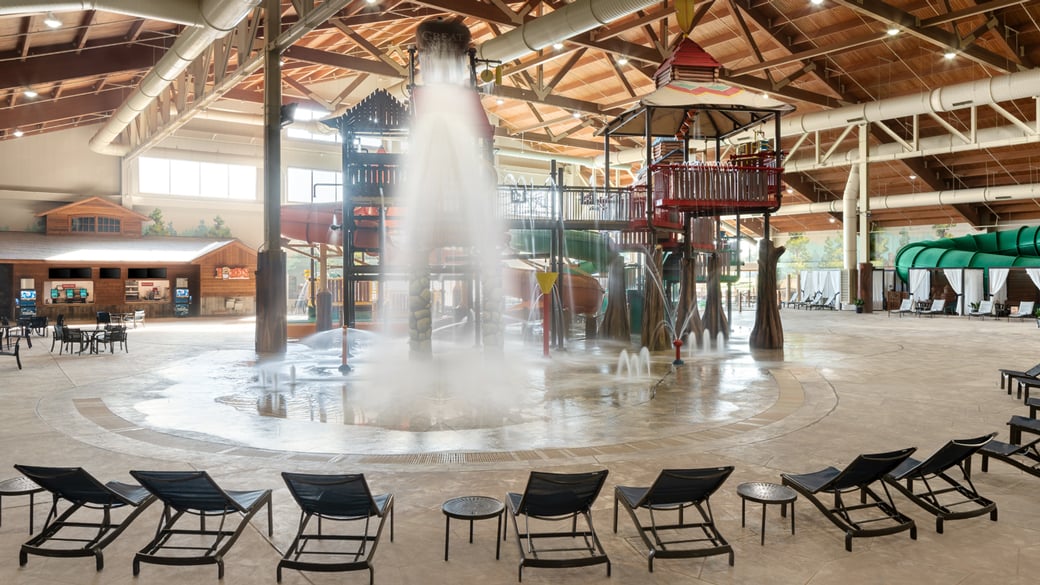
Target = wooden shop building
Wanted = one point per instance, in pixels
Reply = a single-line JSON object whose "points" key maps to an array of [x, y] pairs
{"points": [[93, 257]]}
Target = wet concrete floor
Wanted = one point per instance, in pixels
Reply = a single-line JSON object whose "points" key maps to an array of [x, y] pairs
{"points": [[190, 394]]}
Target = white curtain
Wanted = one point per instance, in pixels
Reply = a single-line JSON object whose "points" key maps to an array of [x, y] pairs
{"points": [[973, 292], [955, 276], [830, 283], [997, 282], [1034, 275], [878, 293], [920, 284], [803, 280]]}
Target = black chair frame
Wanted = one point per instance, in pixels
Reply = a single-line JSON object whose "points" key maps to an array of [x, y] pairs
{"points": [[865, 470], [82, 491], [558, 497], [675, 490], [1025, 457], [948, 499], [207, 501], [362, 508]]}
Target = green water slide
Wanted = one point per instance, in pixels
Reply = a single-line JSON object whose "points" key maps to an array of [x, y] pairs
{"points": [[595, 250], [1004, 249]]}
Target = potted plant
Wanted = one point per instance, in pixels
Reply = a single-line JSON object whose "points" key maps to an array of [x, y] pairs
{"points": [[859, 304]]}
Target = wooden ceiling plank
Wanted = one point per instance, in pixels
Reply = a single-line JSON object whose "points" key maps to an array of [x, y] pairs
{"points": [[828, 49], [24, 40], [906, 22], [349, 89], [134, 31], [970, 11]]}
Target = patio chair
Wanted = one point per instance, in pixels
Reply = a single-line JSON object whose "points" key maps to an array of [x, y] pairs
{"points": [[905, 306], [72, 337], [1026, 310], [1023, 456], [56, 333], [112, 335], [339, 498], [196, 494], [104, 318], [675, 490], [985, 308], [948, 499], [938, 307], [558, 497], [809, 300], [1007, 376], [85, 535], [857, 520]]}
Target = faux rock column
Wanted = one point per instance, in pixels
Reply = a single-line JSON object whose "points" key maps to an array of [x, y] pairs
{"points": [[420, 318]]}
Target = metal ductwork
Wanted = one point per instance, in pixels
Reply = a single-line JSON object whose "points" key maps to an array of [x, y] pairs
{"points": [[933, 198], [216, 18], [186, 12], [559, 25]]}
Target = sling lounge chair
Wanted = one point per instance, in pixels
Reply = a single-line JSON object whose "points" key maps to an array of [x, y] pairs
{"points": [[1007, 376], [1024, 456], [335, 498], [674, 491], [985, 308], [86, 535], [905, 306], [1026, 310], [557, 497], [938, 307], [196, 494], [928, 483], [876, 517]]}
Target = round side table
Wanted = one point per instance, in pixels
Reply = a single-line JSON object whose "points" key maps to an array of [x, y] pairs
{"points": [[472, 508], [766, 493], [21, 486]]}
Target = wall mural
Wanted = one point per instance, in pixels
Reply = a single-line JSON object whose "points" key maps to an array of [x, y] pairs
{"points": [[819, 250]]}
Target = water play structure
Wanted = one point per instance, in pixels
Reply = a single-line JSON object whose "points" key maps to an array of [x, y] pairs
{"points": [[427, 231]]}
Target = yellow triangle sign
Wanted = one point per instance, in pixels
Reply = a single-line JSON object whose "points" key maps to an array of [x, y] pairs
{"points": [[546, 281]]}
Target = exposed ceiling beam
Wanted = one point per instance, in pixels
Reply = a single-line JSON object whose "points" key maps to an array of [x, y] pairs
{"points": [[331, 59], [103, 60], [68, 107], [970, 11], [910, 24]]}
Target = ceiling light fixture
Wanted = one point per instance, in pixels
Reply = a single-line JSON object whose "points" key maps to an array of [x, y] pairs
{"points": [[912, 177], [893, 31], [949, 55], [52, 21], [500, 101], [832, 220], [30, 93], [557, 45], [18, 133], [790, 190], [815, 2], [576, 115], [622, 61]]}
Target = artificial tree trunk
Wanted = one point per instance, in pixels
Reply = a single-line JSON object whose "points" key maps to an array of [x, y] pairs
{"points": [[615, 318], [768, 332], [654, 333], [689, 317], [715, 321]]}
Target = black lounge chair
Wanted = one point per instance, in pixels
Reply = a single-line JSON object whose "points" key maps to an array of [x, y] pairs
{"points": [[948, 499], [558, 497], [1023, 456], [341, 498], [675, 490], [856, 519], [86, 535], [1008, 375], [196, 494]]}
